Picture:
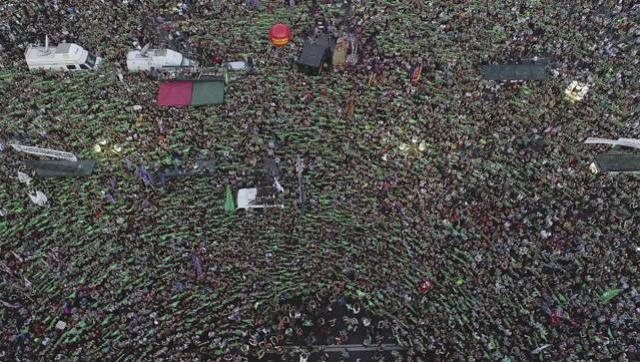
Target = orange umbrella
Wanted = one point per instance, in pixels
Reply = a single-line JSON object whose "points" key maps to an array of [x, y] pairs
{"points": [[280, 35]]}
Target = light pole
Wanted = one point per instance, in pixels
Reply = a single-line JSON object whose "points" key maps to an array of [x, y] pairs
{"points": [[299, 170]]}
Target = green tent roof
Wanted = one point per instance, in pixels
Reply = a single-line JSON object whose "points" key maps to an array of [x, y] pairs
{"points": [[207, 92]]}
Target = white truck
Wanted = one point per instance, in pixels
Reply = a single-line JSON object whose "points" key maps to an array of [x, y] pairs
{"points": [[148, 59], [65, 57]]}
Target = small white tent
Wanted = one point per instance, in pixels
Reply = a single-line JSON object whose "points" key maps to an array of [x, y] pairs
{"points": [[247, 200]]}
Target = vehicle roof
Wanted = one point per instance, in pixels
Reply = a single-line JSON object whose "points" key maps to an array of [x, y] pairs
{"points": [[62, 53], [166, 53], [63, 48]]}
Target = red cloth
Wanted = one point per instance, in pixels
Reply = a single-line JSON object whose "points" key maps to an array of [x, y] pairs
{"points": [[175, 94], [425, 286]]}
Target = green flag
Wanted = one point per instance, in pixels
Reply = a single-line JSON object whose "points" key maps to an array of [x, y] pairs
{"points": [[609, 294], [229, 205]]}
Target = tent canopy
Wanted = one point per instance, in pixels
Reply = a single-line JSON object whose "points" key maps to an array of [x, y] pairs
{"points": [[618, 162], [208, 92], [61, 168], [191, 93], [515, 72], [175, 94]]}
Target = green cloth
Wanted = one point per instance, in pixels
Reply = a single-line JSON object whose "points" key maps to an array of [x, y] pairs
{"points": [[229, 205]]}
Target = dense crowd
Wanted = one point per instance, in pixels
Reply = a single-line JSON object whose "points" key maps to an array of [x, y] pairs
{"points": [[457, 216]]}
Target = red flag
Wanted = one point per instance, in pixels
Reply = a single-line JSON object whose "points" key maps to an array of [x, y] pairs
{"points": [[416, 73]]}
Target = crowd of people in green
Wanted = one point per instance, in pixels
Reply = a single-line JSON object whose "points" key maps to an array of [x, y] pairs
{"points": [[449, 215]]}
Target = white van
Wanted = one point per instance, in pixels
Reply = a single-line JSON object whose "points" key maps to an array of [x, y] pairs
{"points": [[147, 59], [65, 57]]}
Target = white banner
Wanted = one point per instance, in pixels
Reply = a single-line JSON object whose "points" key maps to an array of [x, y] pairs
{"points": [[627, 142], [46, 152]]}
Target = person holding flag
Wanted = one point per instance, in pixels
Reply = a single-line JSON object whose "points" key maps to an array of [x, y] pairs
{"points": [[416, 73]]}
